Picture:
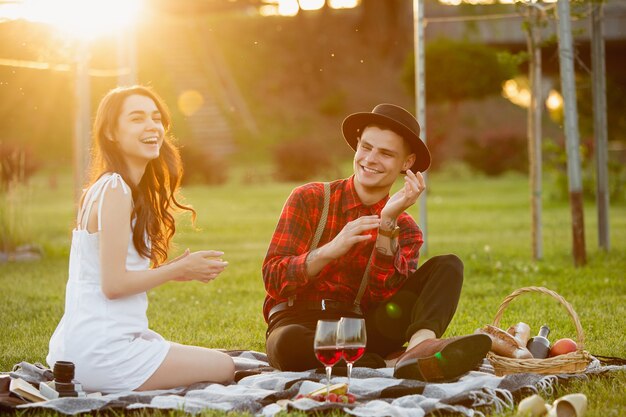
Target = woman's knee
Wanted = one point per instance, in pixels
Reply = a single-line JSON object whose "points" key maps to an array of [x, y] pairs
{"points": [[222, 368], [205, 364]]}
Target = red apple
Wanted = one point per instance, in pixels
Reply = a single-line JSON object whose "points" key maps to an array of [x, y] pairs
{"points": [[563, 346]]}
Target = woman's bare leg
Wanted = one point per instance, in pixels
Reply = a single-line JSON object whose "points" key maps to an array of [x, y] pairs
{"points": [[185, 365]]}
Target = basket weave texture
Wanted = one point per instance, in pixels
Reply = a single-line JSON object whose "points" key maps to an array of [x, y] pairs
{"points": [[569, 363]]}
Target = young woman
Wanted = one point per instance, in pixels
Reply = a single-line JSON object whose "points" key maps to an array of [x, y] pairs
{"points": [[124, 226]]}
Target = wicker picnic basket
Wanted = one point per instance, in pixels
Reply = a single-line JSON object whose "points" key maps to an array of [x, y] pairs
{"points": [[569, 363]]}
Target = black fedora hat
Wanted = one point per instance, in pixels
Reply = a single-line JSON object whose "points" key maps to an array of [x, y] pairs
{"points": [[395, 118]]}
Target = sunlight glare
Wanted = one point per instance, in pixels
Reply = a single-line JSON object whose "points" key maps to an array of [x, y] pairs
{"points": [[517, 92], [288, 7], [81, 18], [554, 100], [311, 4], [189, 102], [343, 4], [292, 7], [268, 10], [478, 2]]}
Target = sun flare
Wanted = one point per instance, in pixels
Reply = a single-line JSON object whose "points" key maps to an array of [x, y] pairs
{"points": [[80, 18], [292, 7]]}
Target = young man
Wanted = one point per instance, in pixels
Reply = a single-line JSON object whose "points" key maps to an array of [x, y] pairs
{"points": [[365, 261]]}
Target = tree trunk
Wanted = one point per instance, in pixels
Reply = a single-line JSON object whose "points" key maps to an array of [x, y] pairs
{"points": [[568, 88], [600, 125], [534, 129]]}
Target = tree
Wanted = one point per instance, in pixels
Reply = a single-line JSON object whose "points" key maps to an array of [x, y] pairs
{"points": [[460, 70]]}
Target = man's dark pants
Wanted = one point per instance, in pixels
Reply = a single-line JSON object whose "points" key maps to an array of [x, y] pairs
{"points": [[427, 300]]}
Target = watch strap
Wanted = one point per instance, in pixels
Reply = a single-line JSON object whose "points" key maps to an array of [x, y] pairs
{"points": [[392, 234]]}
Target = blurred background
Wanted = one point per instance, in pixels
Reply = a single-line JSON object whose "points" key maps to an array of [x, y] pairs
{"points": [[258, 88]]}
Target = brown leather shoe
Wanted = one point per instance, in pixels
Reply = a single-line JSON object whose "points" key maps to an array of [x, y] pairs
{"points": [[442, 359]]}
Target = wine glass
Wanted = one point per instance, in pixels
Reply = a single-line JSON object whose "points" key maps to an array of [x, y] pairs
{"points": [[351, 338], [325, 346]]}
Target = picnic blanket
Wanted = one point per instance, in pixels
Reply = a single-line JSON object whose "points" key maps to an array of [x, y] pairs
{"points": [[264, 391]]}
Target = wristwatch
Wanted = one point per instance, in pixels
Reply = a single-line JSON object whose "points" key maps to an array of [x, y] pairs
{"points": [[391, 234]]}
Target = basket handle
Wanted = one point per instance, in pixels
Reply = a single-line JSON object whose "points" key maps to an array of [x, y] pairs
{"points": [[579, 329]]}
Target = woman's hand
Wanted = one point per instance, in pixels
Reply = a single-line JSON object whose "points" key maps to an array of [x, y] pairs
{"points": [[203, 266]]}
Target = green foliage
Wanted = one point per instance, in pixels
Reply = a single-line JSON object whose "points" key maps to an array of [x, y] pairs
{"points": [[615, 103], [202, 167], [555, 163], [334, 103], [14, 229], [16, 167], [17, 164], [461, 70], [300, 160], [512, 61], [497, 152]]}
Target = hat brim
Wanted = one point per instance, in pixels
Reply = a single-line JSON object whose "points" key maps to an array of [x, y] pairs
{"points": [[353, 126]]}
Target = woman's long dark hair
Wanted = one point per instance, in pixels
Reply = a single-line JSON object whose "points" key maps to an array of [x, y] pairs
{"points": [[154, 197]]}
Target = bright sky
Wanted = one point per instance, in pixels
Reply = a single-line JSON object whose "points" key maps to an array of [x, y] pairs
{"points": [[81, 18]]}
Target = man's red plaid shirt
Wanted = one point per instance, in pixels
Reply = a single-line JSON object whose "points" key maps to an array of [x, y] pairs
{"points": [[284, 269]]}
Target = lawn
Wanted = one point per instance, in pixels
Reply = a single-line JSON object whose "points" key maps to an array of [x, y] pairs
{"points": [[484, 221]]}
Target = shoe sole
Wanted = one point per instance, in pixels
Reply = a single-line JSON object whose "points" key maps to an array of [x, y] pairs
{"points": [[454, 360]]}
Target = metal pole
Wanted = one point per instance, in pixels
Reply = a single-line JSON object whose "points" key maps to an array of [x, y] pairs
{"points": [[534, 128], [600, 124], [568, 88], [82, 117], [420, 103]]}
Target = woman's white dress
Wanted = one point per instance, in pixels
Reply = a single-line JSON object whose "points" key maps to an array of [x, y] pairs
{"points": [[108, 340]]}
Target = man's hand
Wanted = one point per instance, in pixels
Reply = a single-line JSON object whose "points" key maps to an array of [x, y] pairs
{"points": [[351, 234], [414, 185]]}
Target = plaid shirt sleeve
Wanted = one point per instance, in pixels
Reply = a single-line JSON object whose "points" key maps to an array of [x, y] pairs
{"points": [[388, 273], [284, 268]]}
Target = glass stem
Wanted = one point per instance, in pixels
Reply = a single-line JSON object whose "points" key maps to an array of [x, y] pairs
{"points": [[329, 369], [349, 373]]}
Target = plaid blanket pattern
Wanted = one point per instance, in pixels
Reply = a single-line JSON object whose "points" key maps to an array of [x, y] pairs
{"points": [[264, 391]]}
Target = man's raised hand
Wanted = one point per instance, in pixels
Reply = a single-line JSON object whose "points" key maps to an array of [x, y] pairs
{"points": [[405, 197]]}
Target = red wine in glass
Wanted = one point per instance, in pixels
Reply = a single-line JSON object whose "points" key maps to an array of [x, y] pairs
{"points": [[352, 339], [352, 354], [328, 355], [325, 347]]}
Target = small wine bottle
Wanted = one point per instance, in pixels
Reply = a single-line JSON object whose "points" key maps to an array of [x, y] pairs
{"points": [[539, 345]]}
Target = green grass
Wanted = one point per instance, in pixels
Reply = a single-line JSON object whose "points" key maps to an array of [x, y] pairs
{"points": [[485, 221]]}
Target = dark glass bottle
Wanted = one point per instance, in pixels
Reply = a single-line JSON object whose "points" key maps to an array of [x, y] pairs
{"points": [[539, 345]]}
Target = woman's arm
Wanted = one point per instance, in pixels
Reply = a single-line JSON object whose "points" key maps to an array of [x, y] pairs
{"points": [[117, 282]]}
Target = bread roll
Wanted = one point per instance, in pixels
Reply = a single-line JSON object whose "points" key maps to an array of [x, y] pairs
{"points": [[504, 344], [520, 331]]}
